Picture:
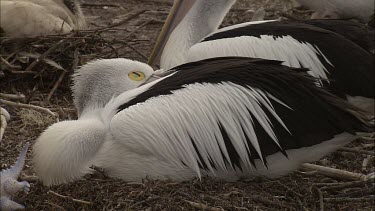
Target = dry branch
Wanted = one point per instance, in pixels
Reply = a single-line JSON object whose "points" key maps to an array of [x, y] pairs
{"points": [[131, 16], [346, 200], [268, 202], [359, 151], [340, 186], [336, 173], [21, 105], [202, 206], [144, 201], [320, 195], [70, 198], [10, 66], [13, 97]]}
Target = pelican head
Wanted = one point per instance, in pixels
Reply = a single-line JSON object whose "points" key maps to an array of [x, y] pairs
{"points": [[188, 22], [97, 82]]}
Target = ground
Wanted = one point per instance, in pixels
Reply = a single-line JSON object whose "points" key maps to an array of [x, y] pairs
{"points": [[134, 39]]}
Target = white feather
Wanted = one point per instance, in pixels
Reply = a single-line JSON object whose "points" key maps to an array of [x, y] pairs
{"points": [[195, 112], [285, 48]]}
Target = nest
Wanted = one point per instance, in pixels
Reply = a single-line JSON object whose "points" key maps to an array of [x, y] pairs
{"points": [[36, 71], [50, 58]]}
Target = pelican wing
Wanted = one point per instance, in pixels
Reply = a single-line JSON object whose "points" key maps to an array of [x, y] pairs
{"points": [[327, 54], [226, 112]]}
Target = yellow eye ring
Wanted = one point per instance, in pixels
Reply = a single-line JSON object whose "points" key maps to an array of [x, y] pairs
{"points": [[136, 76]]}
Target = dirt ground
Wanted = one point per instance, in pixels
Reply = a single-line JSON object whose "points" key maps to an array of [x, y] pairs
{"points": [[297, 191]]}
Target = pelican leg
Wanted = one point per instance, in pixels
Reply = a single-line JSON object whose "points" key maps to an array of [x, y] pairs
{"points": [[9, 184]]}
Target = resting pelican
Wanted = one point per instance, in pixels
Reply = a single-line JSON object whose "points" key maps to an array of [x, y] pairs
{"points": [[360, 9], [229, 118], [332, 49], [21, 18]]}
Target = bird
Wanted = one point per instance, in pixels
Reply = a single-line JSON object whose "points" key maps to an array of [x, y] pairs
{"points": [[21, 18], [229, 118], [9, 184], [335, 51], [360, 9]]}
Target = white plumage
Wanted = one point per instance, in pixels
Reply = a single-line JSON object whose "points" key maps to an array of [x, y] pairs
{"points": [[294, 53], [175, 128], [21, 18]]}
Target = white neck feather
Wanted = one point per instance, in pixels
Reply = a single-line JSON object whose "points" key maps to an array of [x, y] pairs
{"points": [[65, 151], [203, 18]]}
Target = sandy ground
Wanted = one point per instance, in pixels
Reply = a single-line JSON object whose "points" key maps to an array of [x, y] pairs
{"points": [[298, 191]]}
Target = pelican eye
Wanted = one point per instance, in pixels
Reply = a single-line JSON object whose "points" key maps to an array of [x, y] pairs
{"points": [[136, 76]]}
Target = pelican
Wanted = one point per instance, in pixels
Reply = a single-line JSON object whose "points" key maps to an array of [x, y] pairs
{"points": [[228, 118], [20, 18], [333, 50], [359, 9]]}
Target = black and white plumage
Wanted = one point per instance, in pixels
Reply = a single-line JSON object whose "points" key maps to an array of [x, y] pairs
{"points": [[331, 49], [21, 18], [229, 118], [350, 71]]}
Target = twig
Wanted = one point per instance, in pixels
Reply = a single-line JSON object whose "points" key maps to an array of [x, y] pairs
{"points": [[361, 192], [366, 161], [10, 66], [139, 27], [289, 189], [268, 202], [58, 82], [370, 198], [55, 205], [22, 72], [41, 57], [21, 105], [360, 151], [228, 195], [144, 201], [136, 14], [99, 5], [132, 48], [203, 206], [320, 195], [336, 173], [70, 198], [368, 145], [13, 97], [160, 2], [340, 186]]}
